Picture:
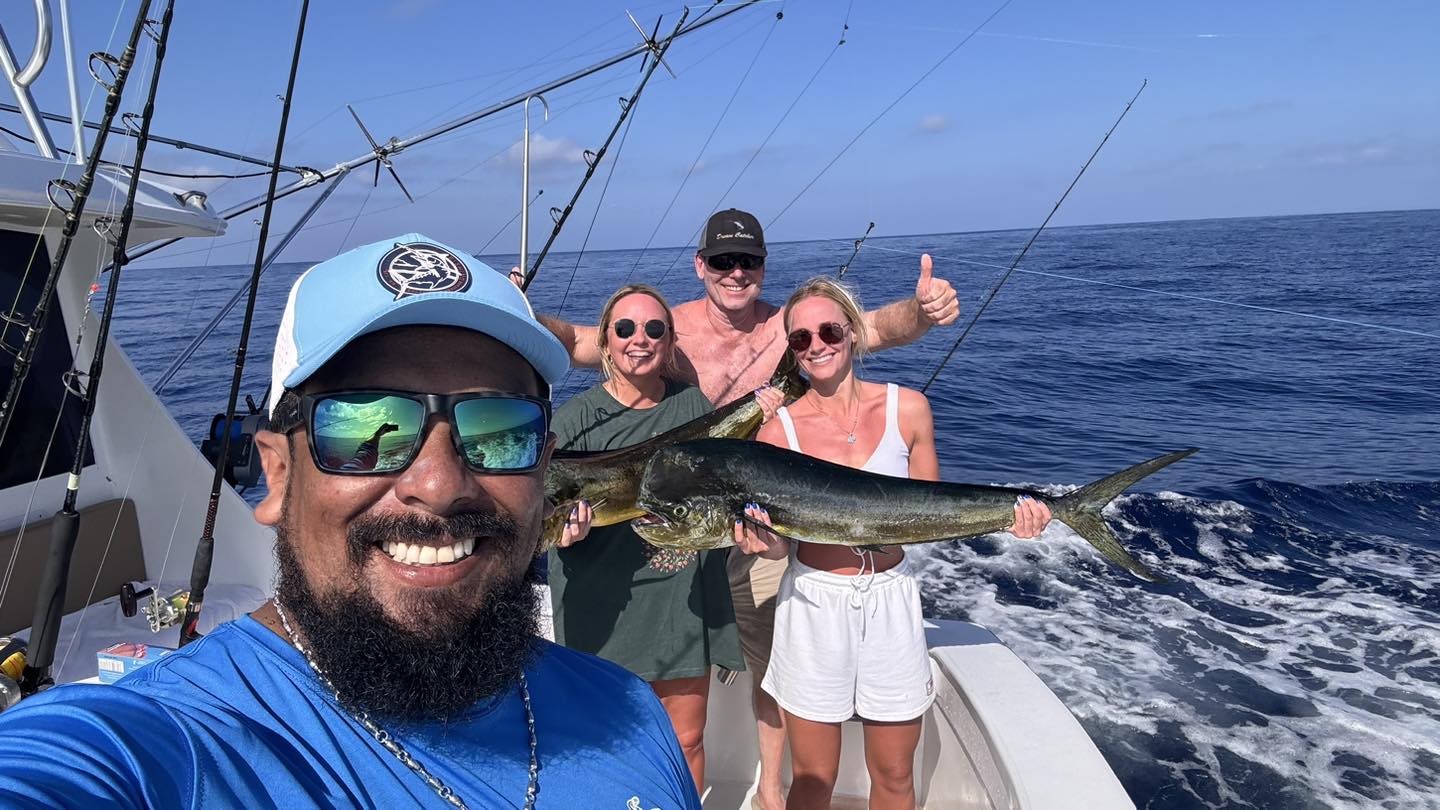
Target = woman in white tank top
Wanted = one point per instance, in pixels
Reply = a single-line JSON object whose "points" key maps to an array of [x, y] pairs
{"points": [[849, 637]]}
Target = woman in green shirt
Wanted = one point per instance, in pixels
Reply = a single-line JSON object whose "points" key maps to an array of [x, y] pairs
{"points": [[665, 616]]}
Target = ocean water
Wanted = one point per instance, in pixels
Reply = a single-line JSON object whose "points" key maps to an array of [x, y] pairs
{"points": [[1293, 658]]}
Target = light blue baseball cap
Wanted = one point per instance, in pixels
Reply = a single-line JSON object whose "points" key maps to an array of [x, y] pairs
{"points": [[406, 281]]}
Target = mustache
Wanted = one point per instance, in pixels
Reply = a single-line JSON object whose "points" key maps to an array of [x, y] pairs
{"points": [[369, 531]]}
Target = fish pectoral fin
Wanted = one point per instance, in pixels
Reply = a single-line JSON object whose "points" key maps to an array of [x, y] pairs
{"points": [[757, 524]]}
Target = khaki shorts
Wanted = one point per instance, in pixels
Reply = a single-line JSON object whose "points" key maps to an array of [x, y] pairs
{"points": [[754, 585]]}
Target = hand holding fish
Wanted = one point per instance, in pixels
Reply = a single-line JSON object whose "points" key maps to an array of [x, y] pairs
{"points": [[1031, 517], [769, 398], [936, 296], [577, 524], [752, 539]]}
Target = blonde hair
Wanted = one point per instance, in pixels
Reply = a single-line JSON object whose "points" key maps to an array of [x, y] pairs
{"points": [[829, 288], [602, 339]]}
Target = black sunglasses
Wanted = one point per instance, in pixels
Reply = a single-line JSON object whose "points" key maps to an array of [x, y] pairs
{"points": [[379, 432], [654, 329], [726, 262], [832, 333]]}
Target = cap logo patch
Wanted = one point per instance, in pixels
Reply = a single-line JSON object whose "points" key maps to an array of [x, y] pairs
{"points": [[417, 268]]}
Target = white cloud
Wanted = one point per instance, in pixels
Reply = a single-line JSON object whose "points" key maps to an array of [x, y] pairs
{"points": [[934, 123], [545, 152]]}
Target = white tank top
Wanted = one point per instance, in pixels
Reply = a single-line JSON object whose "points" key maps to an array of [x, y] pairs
{"points": [[891, 456]]}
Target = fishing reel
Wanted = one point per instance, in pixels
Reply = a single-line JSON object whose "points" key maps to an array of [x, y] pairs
{"points": [[159, 612], [243, 466], [12, 664]]}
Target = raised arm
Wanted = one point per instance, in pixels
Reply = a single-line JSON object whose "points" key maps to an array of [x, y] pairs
{"points": [[902, 322], [580, 341]]}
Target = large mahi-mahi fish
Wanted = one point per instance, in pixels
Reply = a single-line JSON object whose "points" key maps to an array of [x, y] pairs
{"points": [[693, 493], [610, 479]]}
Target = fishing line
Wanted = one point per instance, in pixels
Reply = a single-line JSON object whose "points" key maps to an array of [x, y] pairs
{"points": [[593, 216], [592, 159], [1036, 235], [79, 194], [205, 547], [719, 119], [1171, 294], [888, 108], [507, 224], [763, 143]]}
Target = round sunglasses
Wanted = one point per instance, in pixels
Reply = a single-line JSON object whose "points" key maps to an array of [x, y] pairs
{"points": [[726, 262], [654, 328], [831, 333], [379, 432]]}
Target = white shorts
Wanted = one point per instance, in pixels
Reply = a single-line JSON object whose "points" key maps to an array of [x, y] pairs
{"points": [[845, 647]]}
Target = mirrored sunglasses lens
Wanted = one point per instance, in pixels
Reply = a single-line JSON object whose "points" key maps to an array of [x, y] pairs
{"points": [[365, 432], [799, 340], [655, 329], [832, 333], [624, 328], [498, 433]]}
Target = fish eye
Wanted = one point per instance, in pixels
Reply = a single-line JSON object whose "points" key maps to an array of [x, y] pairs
{"points": [[681, 510]]}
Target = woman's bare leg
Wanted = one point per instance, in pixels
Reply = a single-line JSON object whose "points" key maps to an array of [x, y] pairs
{"points": [[890, 758], [814, 762], [684, 700]]}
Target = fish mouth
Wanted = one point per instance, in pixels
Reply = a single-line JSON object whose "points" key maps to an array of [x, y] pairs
{"points": [[650, 519]]}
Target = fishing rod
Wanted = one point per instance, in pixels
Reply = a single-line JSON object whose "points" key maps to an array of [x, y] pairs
{"points": [[50, 602], [185, 354], [858, 242], [178, 144], [396, 145], [79, 195], [592, 159], [1036, 235], [205, 547]]}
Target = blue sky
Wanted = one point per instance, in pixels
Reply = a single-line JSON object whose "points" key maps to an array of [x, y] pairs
{"points": [[1252, 109]]}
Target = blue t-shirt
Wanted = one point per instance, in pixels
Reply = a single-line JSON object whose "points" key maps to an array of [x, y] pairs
{"points": [[238, 719]]}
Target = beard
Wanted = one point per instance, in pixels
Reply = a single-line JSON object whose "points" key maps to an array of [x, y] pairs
{"points": [[458, 657]]}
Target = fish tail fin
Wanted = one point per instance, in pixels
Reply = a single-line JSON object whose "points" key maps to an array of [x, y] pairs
{"points": [[1080, 510]]}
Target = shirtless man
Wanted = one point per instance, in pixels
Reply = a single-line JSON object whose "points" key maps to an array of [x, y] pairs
{"points": [[729, 341]]}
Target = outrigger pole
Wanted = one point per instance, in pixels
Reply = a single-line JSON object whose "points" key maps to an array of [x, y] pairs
{"points": [[395, 145], [50, 602], [79, 195], [592, 159], [184, 355], [1036, 235], [178, 144], [205, 548]]}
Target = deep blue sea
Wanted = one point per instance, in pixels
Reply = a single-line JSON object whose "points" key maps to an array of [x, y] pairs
{"points": [[1293, 659]]}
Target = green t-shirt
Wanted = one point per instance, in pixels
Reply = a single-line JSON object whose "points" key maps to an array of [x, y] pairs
{"points": [[607, 599]]}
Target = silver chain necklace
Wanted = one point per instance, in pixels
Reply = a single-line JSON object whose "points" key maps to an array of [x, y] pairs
{"points": [[389, 743], [850, 438]]}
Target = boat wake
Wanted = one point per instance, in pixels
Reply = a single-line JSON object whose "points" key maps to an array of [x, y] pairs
{"points": [[1293, 660]]}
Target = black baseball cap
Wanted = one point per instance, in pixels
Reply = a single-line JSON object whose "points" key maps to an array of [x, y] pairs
{"points": [[732, 231]]}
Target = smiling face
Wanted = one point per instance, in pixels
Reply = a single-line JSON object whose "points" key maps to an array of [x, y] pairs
{"points": [[354, 533], [820, 360], [734, 290], [638, 356]]}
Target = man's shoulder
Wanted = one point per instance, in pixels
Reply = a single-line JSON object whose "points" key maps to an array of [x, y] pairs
{"points": [[589, 680]]}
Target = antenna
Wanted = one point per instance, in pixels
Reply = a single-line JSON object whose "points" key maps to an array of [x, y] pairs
{"points": [[382, 154]]}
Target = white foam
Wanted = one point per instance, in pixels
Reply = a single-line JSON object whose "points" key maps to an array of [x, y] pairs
{"points": [[1123, 656]]}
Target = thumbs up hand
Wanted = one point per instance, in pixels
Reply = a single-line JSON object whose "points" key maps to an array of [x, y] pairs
{"points": [[936, 297]]}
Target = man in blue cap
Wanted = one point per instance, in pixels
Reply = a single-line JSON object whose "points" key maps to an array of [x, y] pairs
{"points": [[398, 664]]}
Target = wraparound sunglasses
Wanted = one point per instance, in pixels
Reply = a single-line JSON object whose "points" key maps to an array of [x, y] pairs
{"points": [[380, 431]]}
